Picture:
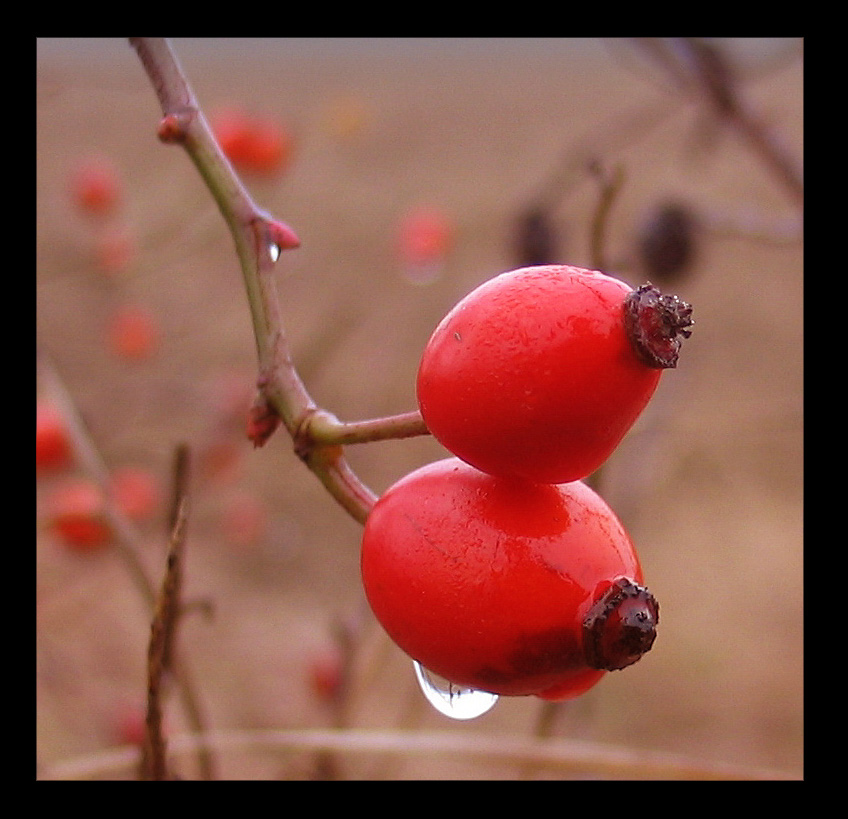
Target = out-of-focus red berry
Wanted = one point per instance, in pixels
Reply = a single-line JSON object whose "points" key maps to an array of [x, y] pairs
{"points": [[130, 726], [52, 443], [425, 235], [76, 513], [95, 186], [134, 333], [326, 675], [252, 142], [221, 459], [244, 519], [137, 492]]}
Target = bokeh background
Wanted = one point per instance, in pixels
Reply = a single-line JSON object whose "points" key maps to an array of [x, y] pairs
{"points": [[709, 484]]}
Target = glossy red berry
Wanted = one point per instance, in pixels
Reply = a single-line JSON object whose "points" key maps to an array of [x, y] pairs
{"points": [[505, 585], [541, 371]]}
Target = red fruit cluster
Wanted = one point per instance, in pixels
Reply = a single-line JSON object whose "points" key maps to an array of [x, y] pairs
{"points": [[500, 569]]}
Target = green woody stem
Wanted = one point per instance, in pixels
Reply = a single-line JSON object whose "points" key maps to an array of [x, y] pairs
{"points": [[259, 240]]}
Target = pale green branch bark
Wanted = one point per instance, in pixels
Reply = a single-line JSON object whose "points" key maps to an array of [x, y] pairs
{"points": [[259, 240]]}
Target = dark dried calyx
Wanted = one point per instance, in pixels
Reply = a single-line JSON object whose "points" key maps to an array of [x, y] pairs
{"points": [[656, 325], [621, 626]]}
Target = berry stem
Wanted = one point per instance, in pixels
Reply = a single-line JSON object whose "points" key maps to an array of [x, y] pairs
{"points": [[325, 428]]}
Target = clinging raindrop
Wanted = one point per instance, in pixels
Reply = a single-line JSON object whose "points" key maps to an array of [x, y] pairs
{"points": [[454, 701]]}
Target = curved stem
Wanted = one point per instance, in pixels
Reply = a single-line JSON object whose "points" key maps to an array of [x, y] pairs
{"points": [[324, 428], [332, 469], [259, 239]]}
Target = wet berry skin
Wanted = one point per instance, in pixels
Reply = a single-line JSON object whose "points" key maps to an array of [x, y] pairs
{"points": [[539, 372], [505, 585]]}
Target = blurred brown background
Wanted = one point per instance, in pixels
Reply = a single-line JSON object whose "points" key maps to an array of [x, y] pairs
{"points": [[709, 484]]}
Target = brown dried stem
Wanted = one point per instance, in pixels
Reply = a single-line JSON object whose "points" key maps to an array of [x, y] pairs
{"points": [[163, 654], [567, 757], [702, 69], [127, 540], [609, 187], [159, 655]]}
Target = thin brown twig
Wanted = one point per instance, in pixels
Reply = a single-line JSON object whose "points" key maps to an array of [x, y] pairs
{"points": [[610, 186], [566, 757], [159, 654], [702, 69], [127, 540]]}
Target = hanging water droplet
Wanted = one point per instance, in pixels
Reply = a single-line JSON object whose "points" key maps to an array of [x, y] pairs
{"points": [[274, 251], [454, 701]]}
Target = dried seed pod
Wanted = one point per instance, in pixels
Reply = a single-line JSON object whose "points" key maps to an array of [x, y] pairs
{"points": [[621, 626], [667, 242], [536, 238]]}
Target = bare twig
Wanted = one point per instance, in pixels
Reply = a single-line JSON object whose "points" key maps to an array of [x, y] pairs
{"points": [[259, 239], [702, 69], [163, 657], [162, 631], [566, 757], [127, 540], [610, 185]]}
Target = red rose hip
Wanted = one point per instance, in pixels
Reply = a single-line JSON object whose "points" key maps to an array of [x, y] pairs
{"points": [[504, 585], [541, 371]]}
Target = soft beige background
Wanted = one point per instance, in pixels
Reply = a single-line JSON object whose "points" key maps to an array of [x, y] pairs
{"points": [[710, 487]]}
